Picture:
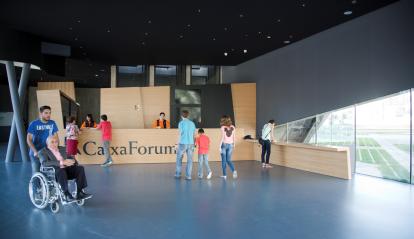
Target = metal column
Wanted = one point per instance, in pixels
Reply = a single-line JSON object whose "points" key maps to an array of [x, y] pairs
{"points": [[17, 115], [24, 79]]}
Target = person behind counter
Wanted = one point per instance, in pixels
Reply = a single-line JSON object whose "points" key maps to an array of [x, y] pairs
{"points": [[89, 122], [161, 123]]}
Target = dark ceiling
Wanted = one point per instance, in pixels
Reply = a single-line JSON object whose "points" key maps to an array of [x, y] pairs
{"points": [[178, 32]]}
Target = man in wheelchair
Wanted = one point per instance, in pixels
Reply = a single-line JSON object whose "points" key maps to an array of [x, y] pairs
{"points": [[65, 169]]}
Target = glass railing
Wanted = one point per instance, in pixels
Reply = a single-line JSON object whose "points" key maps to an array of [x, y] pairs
{"points": [[379, 134]]}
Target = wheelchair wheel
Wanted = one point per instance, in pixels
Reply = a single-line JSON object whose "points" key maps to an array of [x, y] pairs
{"points": [[39, 190], [80, 202], [54, 207]]}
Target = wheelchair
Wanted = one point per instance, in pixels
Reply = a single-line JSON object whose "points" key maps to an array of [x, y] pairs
{"points": [[44, 190]]}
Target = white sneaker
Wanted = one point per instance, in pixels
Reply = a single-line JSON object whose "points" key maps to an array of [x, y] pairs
{"points": [[235, 174], [209, 175], [224, 177]]}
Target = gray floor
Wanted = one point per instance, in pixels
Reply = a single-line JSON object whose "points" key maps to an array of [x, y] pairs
{"points": [[145, 201]]}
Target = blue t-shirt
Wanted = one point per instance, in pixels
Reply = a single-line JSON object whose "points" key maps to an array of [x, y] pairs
{"points": [[187, 129], [40, 132]]}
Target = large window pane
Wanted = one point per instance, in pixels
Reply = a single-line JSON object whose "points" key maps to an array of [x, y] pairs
{"points": [[132, 76], [165, 75], [202, 75], [324, 129], [412, 136], [280, 133], [383, 137], [302, 131]]}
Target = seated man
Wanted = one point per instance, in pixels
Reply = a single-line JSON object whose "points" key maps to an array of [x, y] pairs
{"points": [[161, 123], [64, 168]]}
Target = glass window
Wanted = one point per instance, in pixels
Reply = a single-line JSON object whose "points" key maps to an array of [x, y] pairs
{"points": [[324, 129], [187, 96], [132, 76], [302, 131], [280, 133], [412, 136], [383, 137], [202, 75], [165, 75]]}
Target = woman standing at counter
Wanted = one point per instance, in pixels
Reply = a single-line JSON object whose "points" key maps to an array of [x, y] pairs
{"points": [[227, 144]]}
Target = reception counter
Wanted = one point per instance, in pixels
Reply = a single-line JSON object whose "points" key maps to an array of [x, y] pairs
{"points": [[332, 161], [151, 146]]}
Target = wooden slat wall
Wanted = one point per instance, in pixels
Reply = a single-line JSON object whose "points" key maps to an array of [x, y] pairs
{"points": [[66, 87], [244, 105], [153, 137], [52, 98], [155, 100], [321, 160]]}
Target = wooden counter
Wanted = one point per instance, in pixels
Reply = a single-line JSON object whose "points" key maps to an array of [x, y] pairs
{"points": [[332, 161], [151, 146]]}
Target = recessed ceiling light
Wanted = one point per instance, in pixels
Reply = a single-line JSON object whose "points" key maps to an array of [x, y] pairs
{"points": [[259, 33], [96, 75], [278, 20], [149, 22], [241, 15], [108, 31], [214, 38], [188, 25], [181, 36], [76, 38], [225, 29], [268, 37], [78, 21], [286, 42], [347, 13], [70, 28], [303, 4], [354, 2], [146, 34], [81, 47], [198, 10], [244, 51], [143, 43], [232, 49], [225, 54]]}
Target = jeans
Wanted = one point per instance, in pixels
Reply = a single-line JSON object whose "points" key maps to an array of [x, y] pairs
{"points": [[266, 150], [183, 148], [35, 163], [203, 159], [107, 153], [226, 152]]}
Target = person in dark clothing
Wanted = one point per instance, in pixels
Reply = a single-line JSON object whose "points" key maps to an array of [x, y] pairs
{"points": [[65, 169]]}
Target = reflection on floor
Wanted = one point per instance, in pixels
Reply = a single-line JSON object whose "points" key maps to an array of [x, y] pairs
{"points": [[145, 201]]}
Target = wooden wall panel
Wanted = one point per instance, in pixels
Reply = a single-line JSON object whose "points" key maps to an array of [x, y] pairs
{"points": [[244, 105], [68, 88], [52, 98], [133, 139], [155, 100], [323, 160], [123, 106]]}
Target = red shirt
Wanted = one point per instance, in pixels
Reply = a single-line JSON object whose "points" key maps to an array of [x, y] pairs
{"points": [[106, 128], [203, 143]]}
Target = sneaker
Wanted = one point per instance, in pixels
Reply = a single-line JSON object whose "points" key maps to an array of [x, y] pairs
{"points": [[209, 175], [223, 176], [269, 166], [187, 178], [106, 164], [82, 195], [263, 165], [235, 174]]}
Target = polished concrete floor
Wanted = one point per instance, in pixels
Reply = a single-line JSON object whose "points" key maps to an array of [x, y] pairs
{"points": [[145, 201]]}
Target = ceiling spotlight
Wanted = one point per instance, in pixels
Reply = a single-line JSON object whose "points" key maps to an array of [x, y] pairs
{"points": [[181, 36], [259, 33], [214, 38], [96, 75], [286, 42], [108, 31], [198, 10], [78, 21], [225, 54], [241, 15], [354, 2], [188, 25], [347, 13], [146, 34], [225, 29], [76, 38], [268, 37], [244, 51], [303, 5], [149, 22], [278, 20]]}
